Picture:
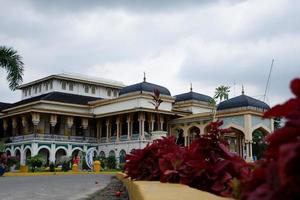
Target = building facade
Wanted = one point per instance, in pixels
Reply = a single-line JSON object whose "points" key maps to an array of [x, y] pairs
{"points": [[61, 115]]}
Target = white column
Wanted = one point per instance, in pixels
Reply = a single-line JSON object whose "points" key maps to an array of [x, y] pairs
{"points": [[152, 120], [5, 126], [247, 150], [250, 150], [118, 121], [24, 124], [52, 153], [142, 125], [99, 130], [70, 122], [107, 130], [161, 123], [22, 156], [34, 149], [14, 126], [69, 152], [129, 127], [84, 124], [53, 122], [185, 134], [35, 121]]}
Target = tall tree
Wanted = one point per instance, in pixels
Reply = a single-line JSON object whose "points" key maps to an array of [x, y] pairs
{"points": [[222, 92], [156, 101], [12, 62]]}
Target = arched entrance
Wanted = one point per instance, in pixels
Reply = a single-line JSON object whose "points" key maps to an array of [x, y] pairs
{"points": [[259, 145], [235, 141], [179, 136], [193, 133], [102, 154], [45, 154], [27, 154], [112, 153], [18, 158], [59, 156], [122, 156]]}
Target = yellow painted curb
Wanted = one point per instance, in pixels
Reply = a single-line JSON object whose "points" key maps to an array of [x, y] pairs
{"points": [[155, 190], [10, 174]]}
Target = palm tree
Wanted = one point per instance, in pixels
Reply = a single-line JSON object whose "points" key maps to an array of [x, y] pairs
{"points": [[156, 101], [222, 92], [12, 62]]}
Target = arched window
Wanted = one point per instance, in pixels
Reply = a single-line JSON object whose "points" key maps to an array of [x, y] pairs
{"points": [[122, 156]]}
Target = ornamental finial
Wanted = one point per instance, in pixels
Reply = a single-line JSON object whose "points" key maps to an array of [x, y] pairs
{"points": [[243, 91], [144, 76], [191, 87]]}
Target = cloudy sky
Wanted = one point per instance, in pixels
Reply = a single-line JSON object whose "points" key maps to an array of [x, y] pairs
{"points": [[206, 42]]}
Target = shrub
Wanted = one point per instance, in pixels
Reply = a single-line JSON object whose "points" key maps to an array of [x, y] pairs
{"points": [[122, 166], [3, 163], [3, 159], [211, 166], [52, 167], [35, 162], [65, 163], [103, 162], [143, 164], [207, 164], [111, 162], [12, 160], [277, 175]]}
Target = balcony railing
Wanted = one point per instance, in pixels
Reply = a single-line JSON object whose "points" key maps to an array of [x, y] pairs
{"points": [[49, 137]]}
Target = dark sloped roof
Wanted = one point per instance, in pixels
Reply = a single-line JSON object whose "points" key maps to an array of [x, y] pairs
{"points": [[193, 96], [58, 97], [242, 101], [4, 105], [144, 86]]}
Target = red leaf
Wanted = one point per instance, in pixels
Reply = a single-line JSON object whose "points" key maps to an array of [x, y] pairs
{"points": [[295, 87]]}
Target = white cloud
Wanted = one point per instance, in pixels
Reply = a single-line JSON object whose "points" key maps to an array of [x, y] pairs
{"points": [[205, 43]]}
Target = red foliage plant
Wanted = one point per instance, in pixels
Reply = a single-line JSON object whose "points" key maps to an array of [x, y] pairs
{"points": [[143, 164], [207, 164], [277, 175], [211, 166], [3, 159]]}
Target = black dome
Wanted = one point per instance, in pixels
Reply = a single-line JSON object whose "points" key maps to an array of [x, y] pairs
{"points": [[192, 96], [144, 86], [242, 101]]}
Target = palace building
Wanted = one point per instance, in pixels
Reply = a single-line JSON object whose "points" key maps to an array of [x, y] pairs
{"points": [[63, 114]]}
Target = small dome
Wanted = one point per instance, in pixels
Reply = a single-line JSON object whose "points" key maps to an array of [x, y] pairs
{"points": [[146, 87], [193, 96], [242, 101]]}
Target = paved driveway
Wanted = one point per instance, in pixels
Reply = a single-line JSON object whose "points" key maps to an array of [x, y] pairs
{"points": [[51, 187]]}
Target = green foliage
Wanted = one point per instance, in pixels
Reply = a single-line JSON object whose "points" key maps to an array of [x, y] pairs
{"points": [[122, 166], [11, 161], [103, 162], [65, 163], [12, 62], [111, 162], [35, 162], [52, 167], [222, 92], [2, 147], [259, 145]]}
